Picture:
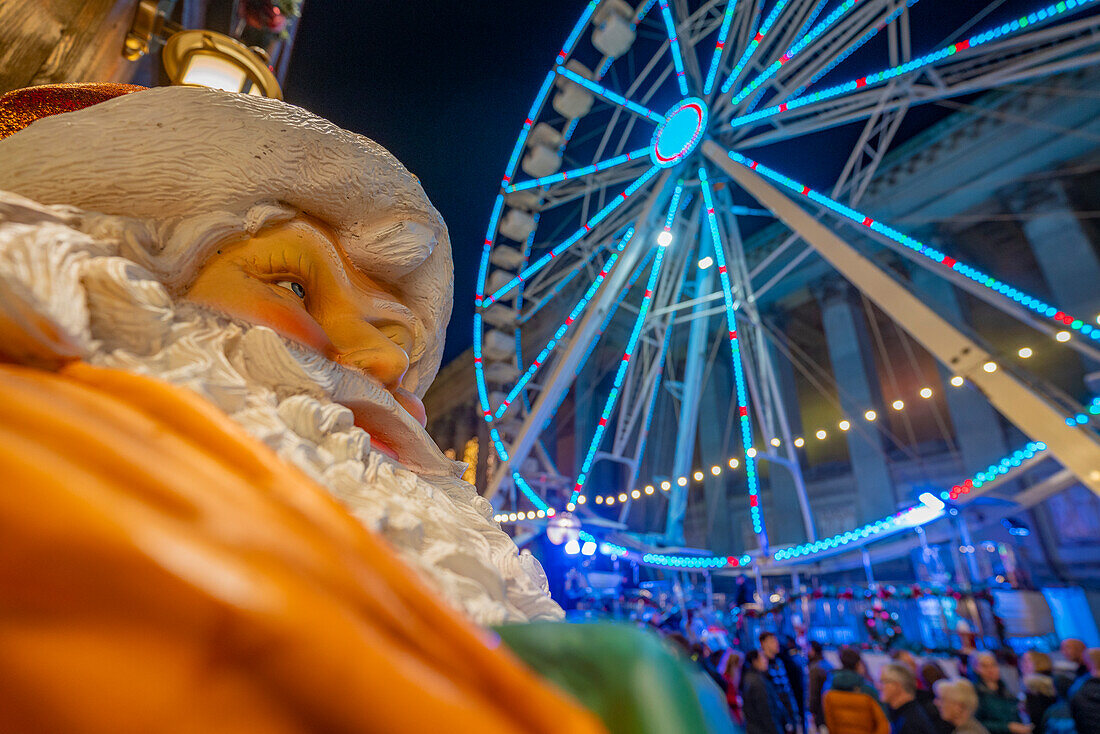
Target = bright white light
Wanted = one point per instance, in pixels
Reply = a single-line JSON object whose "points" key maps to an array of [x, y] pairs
{"points": [[581, 500], [214, 71], [665, 485], [844, 425], [573, 547], [636, 494], [775, 442], [750, 452], [682, 481], [622, 496], [957, 381], [930, 508], [734, 463], [716, 470], [664, 239], [589, 548], [821, 434], [990, 367], [698, 476], [649, 489], [1062, 336], [800, 442], [610, 501], [571, 507], [706, 262], [870, 415], [926, 392], [599, 499], [1025, 352], [540, 514], [897, 404]]}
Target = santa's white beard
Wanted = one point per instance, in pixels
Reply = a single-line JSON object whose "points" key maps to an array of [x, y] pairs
{"points": [[281, 394]]}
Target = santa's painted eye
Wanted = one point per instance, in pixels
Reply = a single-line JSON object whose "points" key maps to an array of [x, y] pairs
{"points": [[294, 287]]}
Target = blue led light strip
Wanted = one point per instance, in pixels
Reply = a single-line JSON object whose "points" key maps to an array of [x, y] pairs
{"points": [[596, 218], [674, 47], [624, 363], [1033, 304], [575, 34], [607, 94], [563, 328], [719, 48], [751, 477], [929, 509], [928, 59], [531, 495], [578, 172], [753, 45]]}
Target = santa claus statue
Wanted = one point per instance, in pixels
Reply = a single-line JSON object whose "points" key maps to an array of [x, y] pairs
{"points": [[220, 510]]}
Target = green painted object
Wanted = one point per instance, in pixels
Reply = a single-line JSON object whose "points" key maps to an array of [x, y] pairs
{"points": [[627, 676]]}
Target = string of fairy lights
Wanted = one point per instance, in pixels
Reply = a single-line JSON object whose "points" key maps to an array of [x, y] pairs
{"points": [[664, 485]]}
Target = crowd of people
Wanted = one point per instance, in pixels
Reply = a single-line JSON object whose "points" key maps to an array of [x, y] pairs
{"points": [[773, 689]]}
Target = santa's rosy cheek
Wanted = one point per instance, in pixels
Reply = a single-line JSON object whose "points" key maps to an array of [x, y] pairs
{"points": [[289, 320], [293, 322]]}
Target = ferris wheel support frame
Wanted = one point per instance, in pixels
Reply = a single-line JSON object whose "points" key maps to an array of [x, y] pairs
{"points": [[688, 425], [1075, 448], [556, 383]]}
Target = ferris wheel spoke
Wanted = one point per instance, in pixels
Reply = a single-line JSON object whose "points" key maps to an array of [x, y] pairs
{"points": [[632, 342], [928, 255], [581, 172], [594, 220], [674, 47], [917, 64], [754, 44], [756, 513], [564, 327], [613, 97], [719, 47]]}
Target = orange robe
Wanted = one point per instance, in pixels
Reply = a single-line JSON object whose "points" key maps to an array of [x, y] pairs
{"points": [[163, 571]]}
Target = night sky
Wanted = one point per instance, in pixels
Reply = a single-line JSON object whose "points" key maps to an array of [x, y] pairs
{"points": [[444, 86]]}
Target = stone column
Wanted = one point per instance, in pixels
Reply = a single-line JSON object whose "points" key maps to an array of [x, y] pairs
{"points": [[854, 371], [978, 430], [1062, 249], [784, 521]]}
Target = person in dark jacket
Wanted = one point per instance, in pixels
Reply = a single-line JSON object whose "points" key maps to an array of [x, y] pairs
{"points": [[899, 689], [759, 701], [1073, 650], [818, 672], [997, 708], [786, 676], [1085, 702]]}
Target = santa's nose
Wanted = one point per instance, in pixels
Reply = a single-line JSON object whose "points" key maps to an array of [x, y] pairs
{"points": [[372, 352]]}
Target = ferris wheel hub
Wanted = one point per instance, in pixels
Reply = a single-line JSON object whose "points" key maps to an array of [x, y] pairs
{"points": [[680, 132]]}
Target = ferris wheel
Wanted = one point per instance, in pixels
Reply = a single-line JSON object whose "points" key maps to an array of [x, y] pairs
{"points": [[655, 140]]}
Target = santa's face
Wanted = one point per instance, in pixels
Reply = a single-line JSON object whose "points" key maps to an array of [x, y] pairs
{"points": [[296, 279]]}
